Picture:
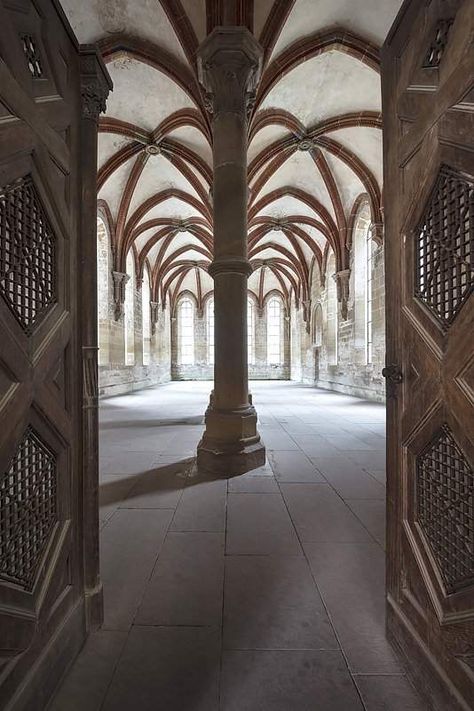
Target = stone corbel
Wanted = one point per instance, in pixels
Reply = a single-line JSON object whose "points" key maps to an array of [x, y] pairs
{"points": [[376, 232], [120, 280], [307, 314], [342, 284], [154, 311], [95, 83]]}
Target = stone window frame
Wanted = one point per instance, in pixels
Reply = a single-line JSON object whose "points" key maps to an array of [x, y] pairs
{"points": [[210, 330], [129, 312], [272, 336], [191, 359], [146, 317]]}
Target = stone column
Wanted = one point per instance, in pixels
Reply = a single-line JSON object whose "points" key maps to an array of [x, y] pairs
{"points": [[229, 62], [95, 86]]}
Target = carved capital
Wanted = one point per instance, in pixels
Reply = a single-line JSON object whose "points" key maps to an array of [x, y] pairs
{"points": [[342, 284], [95, 82], [376, 232], [229, 67], [119, 280]]}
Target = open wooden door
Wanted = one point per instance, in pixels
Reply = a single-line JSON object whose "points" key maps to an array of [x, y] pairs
{"points": [[45, 454], [428, 113]]}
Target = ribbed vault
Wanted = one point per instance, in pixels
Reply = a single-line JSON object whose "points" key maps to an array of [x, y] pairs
{"points": [[314, 137]]}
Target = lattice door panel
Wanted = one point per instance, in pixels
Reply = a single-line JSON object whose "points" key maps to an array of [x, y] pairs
{"points": [[444, 247], [27, 254], [28, 509], [445, 508]]}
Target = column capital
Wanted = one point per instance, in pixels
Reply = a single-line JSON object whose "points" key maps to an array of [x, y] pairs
{"points": [[95, 82], [229, 67]]}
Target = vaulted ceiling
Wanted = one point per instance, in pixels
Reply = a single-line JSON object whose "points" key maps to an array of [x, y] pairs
{"points": [[314, 136]]}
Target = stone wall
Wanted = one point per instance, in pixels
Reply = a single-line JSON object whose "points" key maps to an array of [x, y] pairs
{"points": [[330, 354], [345, 368], [115, 376]]}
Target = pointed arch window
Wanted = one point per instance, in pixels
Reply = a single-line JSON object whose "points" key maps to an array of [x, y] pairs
{"points": [[146, 318], [362, 270], [250, 331], [210, 331], [186, 332], [368, 297], [274, 328], [129, 312], [332, 315], [102, 291]]}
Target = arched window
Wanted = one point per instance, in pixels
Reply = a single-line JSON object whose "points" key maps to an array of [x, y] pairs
{"points": [[274, 324], [362, 268], [368, 295], [146, 317], [332, 321], [210, 331], [129, 311], [102, 291], [186, 332], [250, 331]]}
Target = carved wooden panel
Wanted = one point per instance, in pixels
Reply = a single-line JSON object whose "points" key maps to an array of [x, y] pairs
{"points": [[427, 70], [445, 508], [444, 262], [28, 509], [27, 254]]}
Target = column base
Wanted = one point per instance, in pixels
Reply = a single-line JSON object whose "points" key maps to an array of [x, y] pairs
{"points": [[231, 444]]}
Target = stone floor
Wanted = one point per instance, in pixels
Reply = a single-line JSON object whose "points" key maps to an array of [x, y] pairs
{"points": [[261, 593]]}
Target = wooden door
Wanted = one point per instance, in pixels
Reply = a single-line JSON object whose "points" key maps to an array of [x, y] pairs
{"points": [[43, 179], [428, 114]]}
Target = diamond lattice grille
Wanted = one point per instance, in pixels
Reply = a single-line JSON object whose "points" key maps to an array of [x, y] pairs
{"points": [[27, 254], [445, 508], [28, 509], [444, 254]]}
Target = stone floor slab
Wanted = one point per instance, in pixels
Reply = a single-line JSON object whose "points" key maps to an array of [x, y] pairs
{"points": [[169, 668], [320, 515], [186, 586], [87, 682], [287, 681], [389, 693], [351, 579], [291, 466], [130, 544], [202, 506], [259, 524], [271, 602]]}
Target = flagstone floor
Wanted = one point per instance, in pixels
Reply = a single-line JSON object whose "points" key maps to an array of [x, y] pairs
{"points": [[260, 593]]}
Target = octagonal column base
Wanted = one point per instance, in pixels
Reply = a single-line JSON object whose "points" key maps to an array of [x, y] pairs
{"points": [[231, 444]]}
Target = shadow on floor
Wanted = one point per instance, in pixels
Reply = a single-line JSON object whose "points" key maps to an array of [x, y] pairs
{"points": [[127, 424]]}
